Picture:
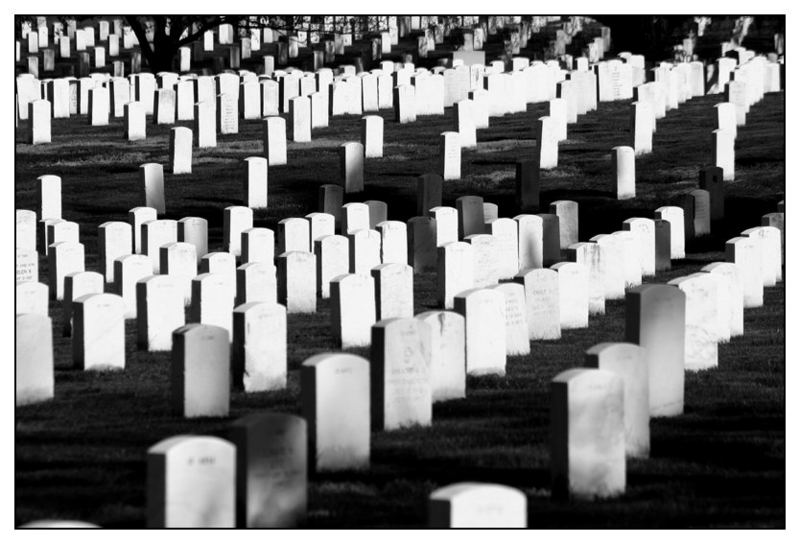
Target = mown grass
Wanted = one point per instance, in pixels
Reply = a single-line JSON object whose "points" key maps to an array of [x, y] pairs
{"points": [[721, 464]]}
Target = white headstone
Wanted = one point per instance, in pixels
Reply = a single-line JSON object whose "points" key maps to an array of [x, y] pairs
{"points": [[63, 258], [628, 362], [191, 483], [160, 310], [745, 252], [275, 140], [180, 150], [297, 281], [98, 336], [516, 322], [477, 505], [400, 375], [588, 434], [394, 290], [573, 293], [212, 300], [542, 302], [443, 347], [484, 314], [335, 391], [702, 319], [259, 346], [33, 360]]}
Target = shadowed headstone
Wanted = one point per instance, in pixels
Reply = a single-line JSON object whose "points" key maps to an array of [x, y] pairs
{"points": [[330, 199], [551, 239], [663, 245], [271, 475], [429, 193], [711, 181], [655, 316], [627, 361], [200, 371], [567, 212], [702, 217], [470, 216], [527, 178], [421, 240], [674, 216]]}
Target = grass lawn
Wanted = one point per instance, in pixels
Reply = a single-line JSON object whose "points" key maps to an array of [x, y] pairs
{"points": [[721, 464]]}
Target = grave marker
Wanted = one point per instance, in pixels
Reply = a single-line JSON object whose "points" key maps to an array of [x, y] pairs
{"points": [[623, 164], [31, 298], [353, 309], [33, 359], [627, 361], [271, 478], [297, 281], [180, 150], [527, 178], [702, 330], [745, 253], [194, 230], [259, 346], [191, 483], [128, 270], [98, 339], [200, 371], [573, 293], [400, 375], [336, 398], [484, 314], [587, 434], [394, 290], [151, 178], [655, 316], [674, 216], [443, 347], [477, 505], [351, 167], [63, 258], [159, 311]]}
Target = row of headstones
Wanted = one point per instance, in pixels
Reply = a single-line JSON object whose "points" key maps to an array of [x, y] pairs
{"points": [[689, 306], [178, 259], [598, 416], [392, 283], [424, 98], [388, 243]]}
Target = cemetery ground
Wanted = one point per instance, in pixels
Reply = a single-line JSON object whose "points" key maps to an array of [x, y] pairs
{"points": [[720, 464]]}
